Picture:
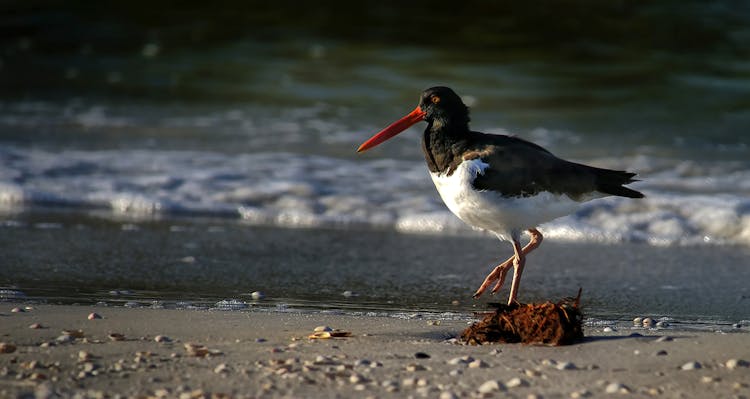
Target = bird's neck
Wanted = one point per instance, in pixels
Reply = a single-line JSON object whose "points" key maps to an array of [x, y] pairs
{"points": [[443, 143]]}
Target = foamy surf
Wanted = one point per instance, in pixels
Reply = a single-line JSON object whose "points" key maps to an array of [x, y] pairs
{"points": [[686, 204]]}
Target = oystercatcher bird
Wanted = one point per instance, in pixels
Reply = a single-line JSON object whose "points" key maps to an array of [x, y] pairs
{"points": [[500, 183]]}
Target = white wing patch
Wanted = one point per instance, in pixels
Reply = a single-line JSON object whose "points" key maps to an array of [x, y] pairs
{"points": [[475, 167]]}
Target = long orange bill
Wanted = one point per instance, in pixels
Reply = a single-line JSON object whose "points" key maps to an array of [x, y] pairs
{"points": [[395, 128]]}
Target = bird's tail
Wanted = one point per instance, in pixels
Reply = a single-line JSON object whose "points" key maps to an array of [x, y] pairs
{"points": [[612, 182]]}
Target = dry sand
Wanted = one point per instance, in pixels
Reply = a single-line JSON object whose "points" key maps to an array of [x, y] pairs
{"points": [[259, 354]]}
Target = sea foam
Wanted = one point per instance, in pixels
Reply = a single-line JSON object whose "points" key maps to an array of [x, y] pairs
{"points": [[685, 204]]}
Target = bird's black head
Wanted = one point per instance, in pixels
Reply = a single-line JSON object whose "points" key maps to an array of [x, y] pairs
{"points": [[443, 106], [440, 106]]}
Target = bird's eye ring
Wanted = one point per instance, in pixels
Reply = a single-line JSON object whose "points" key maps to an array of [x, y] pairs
{"points": [[435, 99]]}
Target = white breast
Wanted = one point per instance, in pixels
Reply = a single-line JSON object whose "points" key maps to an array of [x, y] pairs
{"points": [[505, 216]]}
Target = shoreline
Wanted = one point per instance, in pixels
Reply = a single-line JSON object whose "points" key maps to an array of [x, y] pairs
{"points": [[268, 354]]}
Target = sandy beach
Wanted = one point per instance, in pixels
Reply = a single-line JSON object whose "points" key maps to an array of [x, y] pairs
{"points": [[61, 352]]}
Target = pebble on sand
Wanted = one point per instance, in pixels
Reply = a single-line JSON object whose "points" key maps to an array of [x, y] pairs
{"points": [[73, 333], [516, 382], [616, 387], [415, 367], [198, 350], [84, 356], [691, 366], [461, 360], [221, 369], [490, 386], [162, 339], [17, 310], [36, 326], [7, 348], [648, 322], [116, 337], [478, 364], [736, 363], [566, 366], [583, 393], [94, 316]]}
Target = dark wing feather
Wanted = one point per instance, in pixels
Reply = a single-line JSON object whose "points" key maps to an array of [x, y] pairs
{"points": [[522, 168]]}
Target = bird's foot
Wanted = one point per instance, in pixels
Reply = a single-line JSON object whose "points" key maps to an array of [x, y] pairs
{"points": [[497, 274]]}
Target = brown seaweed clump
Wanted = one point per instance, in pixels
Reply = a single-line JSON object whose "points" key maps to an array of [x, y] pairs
{"points": [[541, 323]]}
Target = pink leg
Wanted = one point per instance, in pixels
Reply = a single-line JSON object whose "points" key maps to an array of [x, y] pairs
{"points": [[498, 273]]}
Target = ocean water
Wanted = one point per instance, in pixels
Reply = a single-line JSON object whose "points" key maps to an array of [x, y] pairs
{"points": [[252, 115]]}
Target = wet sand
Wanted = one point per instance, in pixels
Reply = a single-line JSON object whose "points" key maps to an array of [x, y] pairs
{"points": [[66, 258], [267, 354]]}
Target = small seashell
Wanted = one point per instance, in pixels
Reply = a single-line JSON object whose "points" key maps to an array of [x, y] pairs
{"points": [[478, 364], [83, 356], [415, 367], [37, 376], [648, 322], [162, 339], [221, 368], [64, 339], [409, 382], [532, 373], [196, 350], [583, 393], [662, 324], [73, 333], [349, 294], [736, 363], [490, 387], [329, 334], [257, 295], [516, 382], [116, 337], [36, 326], [616, 387], [566, 366], [322, 328], [707, 379], [7, 348], [94, 316], [691, 366], [30, 365], [638, 321], [17, 310], [461, 360]]}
